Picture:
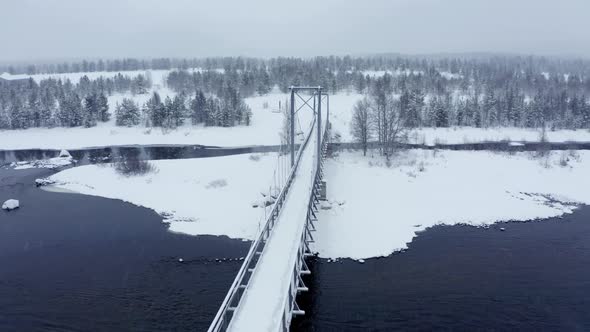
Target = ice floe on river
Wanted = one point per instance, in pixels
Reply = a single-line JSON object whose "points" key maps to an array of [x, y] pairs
{"points": [[11, 204], [64, 159]]}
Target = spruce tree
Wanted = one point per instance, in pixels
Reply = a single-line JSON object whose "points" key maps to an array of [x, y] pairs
{"points": [[155, 110], [4, 118], [178, 110], [127, 113], [167, 120], [103, 108], [90, 111], [197, 108], [18, 116]]}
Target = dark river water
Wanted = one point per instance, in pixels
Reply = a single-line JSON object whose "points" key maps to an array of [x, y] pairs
{"points": [[176, 151], [79, 263], [152, 152], [534, 276]]}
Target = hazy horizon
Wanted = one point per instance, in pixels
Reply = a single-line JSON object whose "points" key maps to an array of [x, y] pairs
{"points": [[61, 30], [468, 55]]}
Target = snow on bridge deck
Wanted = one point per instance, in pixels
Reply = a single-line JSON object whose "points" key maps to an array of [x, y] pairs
{"points": [[261, 308]]}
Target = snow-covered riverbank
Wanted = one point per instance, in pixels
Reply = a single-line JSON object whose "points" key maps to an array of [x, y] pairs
{"points": [[197, 196], [376, 210]]}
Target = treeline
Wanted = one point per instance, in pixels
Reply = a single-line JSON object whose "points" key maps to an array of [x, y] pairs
{"points": [[430, 74], [499, 91], [225, 111], [480, 91], [86, 66], [247, 82], [486, 106], [60, 103], [388, 112]]}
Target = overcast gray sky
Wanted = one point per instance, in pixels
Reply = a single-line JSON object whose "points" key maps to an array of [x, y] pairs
{"points": [[52, 29]]}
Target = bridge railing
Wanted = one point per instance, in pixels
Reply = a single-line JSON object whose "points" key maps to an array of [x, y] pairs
{"points": [[232, 299], [296, 285]]}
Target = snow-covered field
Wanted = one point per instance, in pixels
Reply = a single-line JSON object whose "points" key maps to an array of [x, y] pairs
{"points": [[198, 196], [376, 210]]}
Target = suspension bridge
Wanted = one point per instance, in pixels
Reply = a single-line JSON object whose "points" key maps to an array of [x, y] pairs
{"points": [[263, 296]]}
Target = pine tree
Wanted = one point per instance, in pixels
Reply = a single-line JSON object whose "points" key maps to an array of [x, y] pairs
{"points": [[178, 110], [139, 85], [127, 113], [4, 119], [232, 113], [460, 118], [226, 114], [518, 113], [585, 116], [360, 83], [76, 110], [85, 85], [90, 111], [264, 85], [490, 109], [156, 110], [167, 120], [404, 107], [536, 117], [103, 108], [217, 112], [476, 112], [441, 115], [70, 111], [18, 116], [47, 112], [198, 108], [247, 113], [414, 108], [33, 109]]}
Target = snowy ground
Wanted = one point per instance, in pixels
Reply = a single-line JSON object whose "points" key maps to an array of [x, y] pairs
{"points": [[375, 210], [198, 196]]}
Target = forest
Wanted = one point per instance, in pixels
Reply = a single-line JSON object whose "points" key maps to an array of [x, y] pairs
{"points": [[476, 90]]}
